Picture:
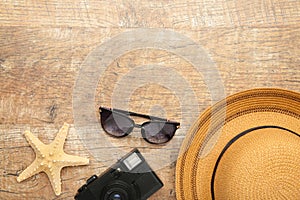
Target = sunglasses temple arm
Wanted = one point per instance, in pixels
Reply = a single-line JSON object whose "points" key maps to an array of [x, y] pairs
{"points": [[140, 115], [173, 122], [150, 117]]}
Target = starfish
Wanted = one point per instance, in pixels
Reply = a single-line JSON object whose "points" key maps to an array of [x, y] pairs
{"points": [[50, 158]]}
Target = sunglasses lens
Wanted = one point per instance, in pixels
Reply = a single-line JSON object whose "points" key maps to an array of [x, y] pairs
{"points": [[115, 124], [159, 132]]}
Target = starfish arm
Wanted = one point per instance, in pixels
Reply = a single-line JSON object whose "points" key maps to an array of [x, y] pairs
{"points": [[61, 136], [70, 160], [34, 142], [31, 170], [51, 158], [54, 177]]}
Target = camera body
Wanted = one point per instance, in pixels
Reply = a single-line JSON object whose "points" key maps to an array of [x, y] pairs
{"points": [[131, 178]]}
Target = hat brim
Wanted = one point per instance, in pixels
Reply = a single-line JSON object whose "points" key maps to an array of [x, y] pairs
{"points": [[246, 146]]}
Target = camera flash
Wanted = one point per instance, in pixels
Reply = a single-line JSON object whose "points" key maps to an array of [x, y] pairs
{"points": [[132, 161]]}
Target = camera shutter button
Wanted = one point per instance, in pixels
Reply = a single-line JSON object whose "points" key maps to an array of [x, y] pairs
{"points": [[116, 173], [91, 179]]}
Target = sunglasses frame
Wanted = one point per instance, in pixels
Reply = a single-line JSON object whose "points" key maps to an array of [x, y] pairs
{"points": [[152, 119]]}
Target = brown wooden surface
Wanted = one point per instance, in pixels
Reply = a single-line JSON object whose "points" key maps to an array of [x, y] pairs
{"points": [[43, 44]]}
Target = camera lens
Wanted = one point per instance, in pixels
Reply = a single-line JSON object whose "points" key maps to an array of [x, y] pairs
{"points": [[115, 197], [119, 190], [116, 194]]}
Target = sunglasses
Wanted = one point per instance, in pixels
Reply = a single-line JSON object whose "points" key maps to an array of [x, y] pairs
{"points": [[118, 123]]}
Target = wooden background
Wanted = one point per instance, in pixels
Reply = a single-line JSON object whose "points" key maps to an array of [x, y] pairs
{"points": [[43, 44]]}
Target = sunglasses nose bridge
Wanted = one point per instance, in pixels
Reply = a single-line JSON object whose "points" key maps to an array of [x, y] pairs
{"points": [[138, 125]]}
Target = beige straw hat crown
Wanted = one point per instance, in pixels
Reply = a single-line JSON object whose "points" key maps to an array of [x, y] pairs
{"points": [[244, 147]]}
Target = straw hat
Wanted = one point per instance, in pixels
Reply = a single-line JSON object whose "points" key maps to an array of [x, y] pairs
{"points": [[244, 147]]}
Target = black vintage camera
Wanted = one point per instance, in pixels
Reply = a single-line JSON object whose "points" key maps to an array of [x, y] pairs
{"points": [[131, 178]]}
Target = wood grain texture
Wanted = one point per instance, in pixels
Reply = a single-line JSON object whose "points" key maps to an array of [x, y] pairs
{"points": [[142, 13], [43, 44]]}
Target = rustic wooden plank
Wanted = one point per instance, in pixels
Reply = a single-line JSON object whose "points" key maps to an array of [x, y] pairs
{"points": [[143, 13], [237, 53], [16, 155]]}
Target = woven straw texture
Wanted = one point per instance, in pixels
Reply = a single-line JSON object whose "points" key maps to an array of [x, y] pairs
{"points": [[244, 147]]}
